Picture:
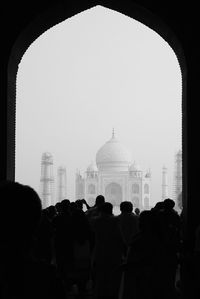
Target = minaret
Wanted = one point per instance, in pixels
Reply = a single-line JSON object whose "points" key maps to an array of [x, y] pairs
{"points": [[177, 176], [113, 133], [79, 186], [62, 183], [164, 183], [47, 180]]}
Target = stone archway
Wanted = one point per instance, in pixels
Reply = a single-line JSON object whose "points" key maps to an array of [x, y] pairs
{"points": [[46, 18], [113, 194], [51, 16]]}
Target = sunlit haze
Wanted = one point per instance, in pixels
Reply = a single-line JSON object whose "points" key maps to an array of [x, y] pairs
{"points": [[97, 71]]}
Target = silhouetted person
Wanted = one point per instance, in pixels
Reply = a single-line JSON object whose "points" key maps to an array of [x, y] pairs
{"points": [[128, 221], [65, 204], [86, 204], [21, 275], [137, 211], [64, 242], [44, 239], [94, 211], [51, 212], [171, 216], [109, 248], [58, 207], [82, 247], [146, 270], [159, 206], [171, 224], [79, 204]]}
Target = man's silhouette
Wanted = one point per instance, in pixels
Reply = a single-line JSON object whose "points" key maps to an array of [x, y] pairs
{"points": [[21, 275]]}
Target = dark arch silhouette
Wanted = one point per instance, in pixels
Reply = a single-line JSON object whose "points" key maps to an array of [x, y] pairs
{"points": [[56, 13]]}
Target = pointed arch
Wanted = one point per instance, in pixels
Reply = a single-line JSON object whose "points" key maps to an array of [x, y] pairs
{"points": [[54, 15]]}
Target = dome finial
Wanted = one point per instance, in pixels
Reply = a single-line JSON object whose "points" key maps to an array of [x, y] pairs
{"points": [[113, 133]]}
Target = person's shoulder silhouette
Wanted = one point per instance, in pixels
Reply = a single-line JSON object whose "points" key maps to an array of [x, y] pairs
{"points": [[21, 275]]}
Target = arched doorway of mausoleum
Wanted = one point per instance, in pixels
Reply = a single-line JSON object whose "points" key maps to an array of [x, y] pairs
{"points": [[113, 194]]}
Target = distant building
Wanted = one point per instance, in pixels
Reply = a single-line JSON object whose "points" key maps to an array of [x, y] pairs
{"points": [[61, 183], [79, 186], [115, 176], [47, 180], [164, 183], [179, 201], [177, 192]]}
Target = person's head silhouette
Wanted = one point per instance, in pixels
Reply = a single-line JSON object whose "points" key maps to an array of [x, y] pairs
{"points": [[168, 204], [65, 206], [22, 211], [137, 211], [79, 203], [126, 207], [106, 209], [100, 199]]}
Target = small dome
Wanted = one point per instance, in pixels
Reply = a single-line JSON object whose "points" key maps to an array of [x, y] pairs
{"points": [[92, 167], [47, 157], [113, 156], [134, 167]]}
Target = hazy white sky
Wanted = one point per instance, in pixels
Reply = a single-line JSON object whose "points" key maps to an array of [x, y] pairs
{"points": [[98, 70]]}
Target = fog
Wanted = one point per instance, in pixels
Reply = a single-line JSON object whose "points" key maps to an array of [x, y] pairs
{"points": [[98, 70]]}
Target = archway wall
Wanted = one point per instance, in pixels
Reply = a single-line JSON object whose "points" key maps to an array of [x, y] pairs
{"points": [[61, 11]]}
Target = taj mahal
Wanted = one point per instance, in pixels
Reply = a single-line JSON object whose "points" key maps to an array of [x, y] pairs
{"points": [[116, 176]]}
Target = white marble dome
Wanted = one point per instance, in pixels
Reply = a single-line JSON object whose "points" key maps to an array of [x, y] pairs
{"points": [[113, 156]]}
